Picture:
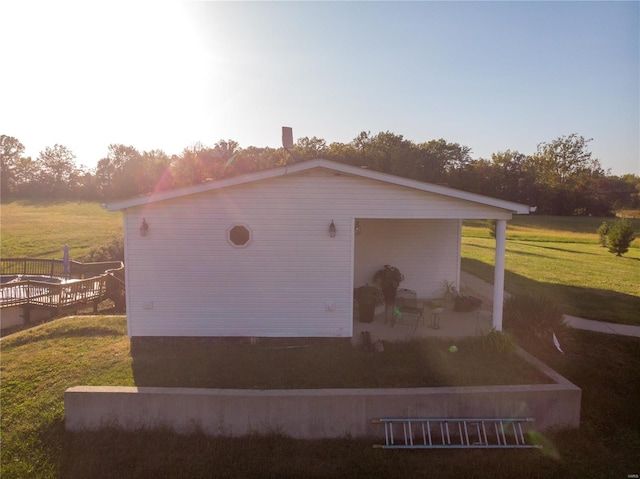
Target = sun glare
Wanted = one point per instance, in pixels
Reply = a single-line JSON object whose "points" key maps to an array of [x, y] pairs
{"points": [[133, 73]]}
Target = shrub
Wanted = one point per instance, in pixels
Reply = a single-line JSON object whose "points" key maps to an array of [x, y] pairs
{"points": [[113, 251], [498, 342], [535, 319], [603, 231], [620, 236]]}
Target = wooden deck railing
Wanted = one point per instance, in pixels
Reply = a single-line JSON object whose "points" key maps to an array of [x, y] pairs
{"points": [[106, 281], [54, 267]]}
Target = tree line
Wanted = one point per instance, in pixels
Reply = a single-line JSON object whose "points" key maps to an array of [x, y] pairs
{"points": [[561, 177]]}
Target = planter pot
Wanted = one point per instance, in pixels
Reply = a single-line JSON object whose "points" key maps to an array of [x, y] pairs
{"points": [[389, 293], [366, 312], [466, 303]]}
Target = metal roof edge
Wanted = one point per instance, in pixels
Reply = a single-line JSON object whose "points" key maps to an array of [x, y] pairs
{"points": [[319, 163]]}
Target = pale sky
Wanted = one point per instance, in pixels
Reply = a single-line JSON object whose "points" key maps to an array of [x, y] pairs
{"points": [[490, 76]]}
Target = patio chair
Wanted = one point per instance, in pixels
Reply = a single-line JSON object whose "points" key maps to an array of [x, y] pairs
{"points": [[407, 307]]}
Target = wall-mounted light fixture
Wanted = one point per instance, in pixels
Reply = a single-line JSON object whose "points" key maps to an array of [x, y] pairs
{"points": [[357, 227], [332, 229], [144, 227]]}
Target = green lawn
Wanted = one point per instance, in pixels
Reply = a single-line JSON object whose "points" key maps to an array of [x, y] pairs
{"points": [[40, 229], [561, 258], [39, 364]]}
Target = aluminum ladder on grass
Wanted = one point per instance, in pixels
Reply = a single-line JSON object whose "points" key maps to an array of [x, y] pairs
{"points": [[458, 433]]}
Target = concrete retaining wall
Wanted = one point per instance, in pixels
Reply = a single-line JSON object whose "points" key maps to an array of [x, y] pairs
{"points": [[314, 413], [15, 316]]}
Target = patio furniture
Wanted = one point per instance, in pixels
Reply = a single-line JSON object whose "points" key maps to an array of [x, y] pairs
{"points": [[435, 318], [407, 307]]}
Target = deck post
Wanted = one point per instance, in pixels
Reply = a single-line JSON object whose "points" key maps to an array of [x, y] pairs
{"points": [[498, 274]]}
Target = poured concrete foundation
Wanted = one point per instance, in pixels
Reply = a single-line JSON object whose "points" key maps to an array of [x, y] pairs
{"points": [[315, 413]]}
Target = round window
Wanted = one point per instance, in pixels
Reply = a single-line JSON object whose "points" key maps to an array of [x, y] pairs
{"points": [[239, 235]]}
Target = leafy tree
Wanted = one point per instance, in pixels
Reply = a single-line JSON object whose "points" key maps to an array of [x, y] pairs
{"points": [[603, 231], [362, 142], [310, 148], [564, 167], [111, 177], [10, 153], [388, 152], [198, 163], [560, 178], [158, 175], [514, 178], [621, 191], [564, 158], [254, 159], [25, 177], [126, 172], [56, 168], [620, 236]]}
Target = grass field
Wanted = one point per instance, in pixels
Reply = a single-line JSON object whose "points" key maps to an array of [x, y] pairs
{"points": [[40, 229], [39, 364], [561, 258]]}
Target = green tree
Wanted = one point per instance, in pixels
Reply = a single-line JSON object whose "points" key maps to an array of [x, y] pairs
{"points": [[310, 148], [388, 153], [57, 166], [25, 177], [514, 177], [440, 161], [198, 163], [620, 236], [564, 171], [10, 153], [603, 231], [112, 176]]}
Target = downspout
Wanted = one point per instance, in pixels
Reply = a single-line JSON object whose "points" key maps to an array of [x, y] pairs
{"points": [[498, 274]]}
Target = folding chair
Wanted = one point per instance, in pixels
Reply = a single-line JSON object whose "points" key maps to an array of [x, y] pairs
{"points": [[406, 306]]}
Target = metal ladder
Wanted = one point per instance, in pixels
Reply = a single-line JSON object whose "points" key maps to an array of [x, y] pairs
{"points": [[459, 433]]}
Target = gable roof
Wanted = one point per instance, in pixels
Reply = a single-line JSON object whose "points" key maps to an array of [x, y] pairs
{"points": [[337, 167]]}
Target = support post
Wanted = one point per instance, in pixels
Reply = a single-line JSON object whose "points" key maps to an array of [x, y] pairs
{"points": [[498, 274]]}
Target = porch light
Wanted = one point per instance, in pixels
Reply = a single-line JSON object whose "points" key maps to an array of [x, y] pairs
{"points": [[144, 227], [357, 227], [332, 229]]}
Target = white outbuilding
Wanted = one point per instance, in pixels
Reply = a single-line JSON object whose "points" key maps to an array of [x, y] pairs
{"points": [[279, 252]]}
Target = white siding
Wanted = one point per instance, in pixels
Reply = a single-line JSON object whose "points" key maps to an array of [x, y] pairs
{"points": [[186, 279], [425, 251]]}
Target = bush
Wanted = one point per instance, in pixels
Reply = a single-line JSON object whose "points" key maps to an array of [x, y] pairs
{"points": [[113, 251], [620, 236], [603, 231], [498, 342], [535, 319]]}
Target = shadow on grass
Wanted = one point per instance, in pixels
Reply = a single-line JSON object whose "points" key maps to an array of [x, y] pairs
{"points": [[73, 332], [323, 363], [537, 244], [589, 303], [604, 366]]}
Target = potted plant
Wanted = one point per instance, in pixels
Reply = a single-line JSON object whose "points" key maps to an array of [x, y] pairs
{"points": [[368, 297], [449, 289], [388, 279]]}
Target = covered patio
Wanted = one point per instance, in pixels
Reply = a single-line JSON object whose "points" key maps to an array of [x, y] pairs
{"points": [[452, 324]]}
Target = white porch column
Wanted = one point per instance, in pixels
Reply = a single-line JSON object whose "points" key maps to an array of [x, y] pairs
{"points": [[498, 274]]}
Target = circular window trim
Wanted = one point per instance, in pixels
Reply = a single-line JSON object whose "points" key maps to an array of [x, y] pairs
{"points": [[239, 225]]}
